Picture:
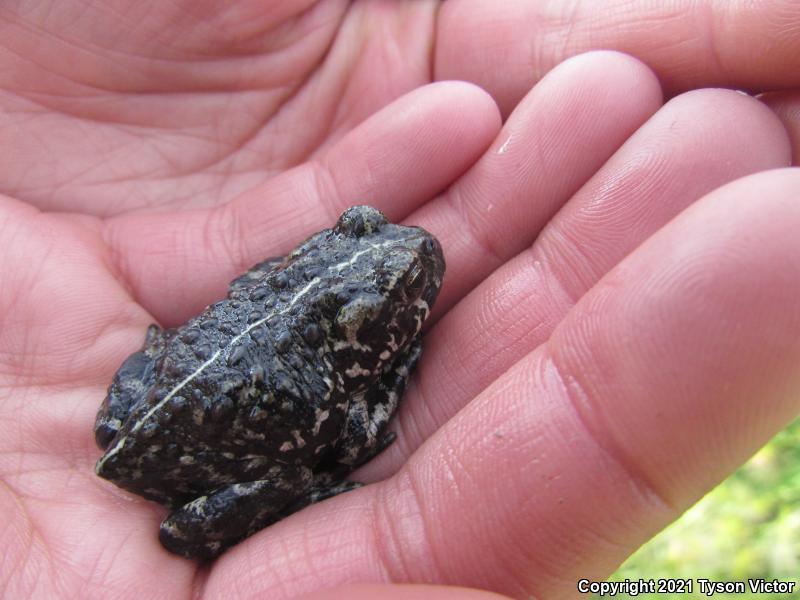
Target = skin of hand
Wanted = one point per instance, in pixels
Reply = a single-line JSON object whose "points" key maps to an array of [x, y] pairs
{"points": [[618, 331], [127, 105]]}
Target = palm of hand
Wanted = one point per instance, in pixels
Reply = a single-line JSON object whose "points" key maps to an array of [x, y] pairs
{"points": [[189, 107], [79, 289]]}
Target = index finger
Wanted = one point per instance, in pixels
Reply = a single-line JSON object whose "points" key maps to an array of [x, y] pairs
{"points": [[688, 43], [176, 263], [577, 116]]}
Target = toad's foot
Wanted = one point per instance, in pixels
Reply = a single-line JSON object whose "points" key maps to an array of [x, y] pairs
{"points": [[207, 526]]}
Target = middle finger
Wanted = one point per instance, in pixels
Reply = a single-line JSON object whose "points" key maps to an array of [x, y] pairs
{"points": [[694, 144]]}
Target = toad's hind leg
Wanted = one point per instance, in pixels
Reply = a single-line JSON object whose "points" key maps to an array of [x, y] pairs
{"points": [[253, 274], [207, 526], [365, 435], [322, 489], [130, 385]]}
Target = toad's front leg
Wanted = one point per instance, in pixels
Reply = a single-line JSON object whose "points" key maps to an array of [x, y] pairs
{"points": [[206, 526], [365, 435]]}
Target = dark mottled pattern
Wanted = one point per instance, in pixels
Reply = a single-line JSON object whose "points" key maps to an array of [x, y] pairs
{"points": [[263, 403]]}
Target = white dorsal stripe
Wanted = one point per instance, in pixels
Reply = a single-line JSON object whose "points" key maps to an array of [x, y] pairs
{"points": [[307, 288]]}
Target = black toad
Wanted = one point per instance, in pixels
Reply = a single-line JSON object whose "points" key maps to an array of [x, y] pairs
{"points": [[263, 404]]}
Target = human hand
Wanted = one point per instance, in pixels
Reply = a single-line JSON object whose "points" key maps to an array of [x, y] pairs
{"points": [[582, 384], [116, 106]]}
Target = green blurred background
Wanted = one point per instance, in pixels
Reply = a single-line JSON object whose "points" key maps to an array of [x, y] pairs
{"points": [[748, 527]]}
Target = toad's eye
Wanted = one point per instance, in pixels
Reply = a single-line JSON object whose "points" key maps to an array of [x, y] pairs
{"points": [[414, 281]]}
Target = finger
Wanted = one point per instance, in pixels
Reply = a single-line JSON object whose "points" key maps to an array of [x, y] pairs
{"points": [[683, 152], [559, 135], [721, 44], [397, 159], [787, 106], [400, 592], [578, 116], [669, 373]]}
